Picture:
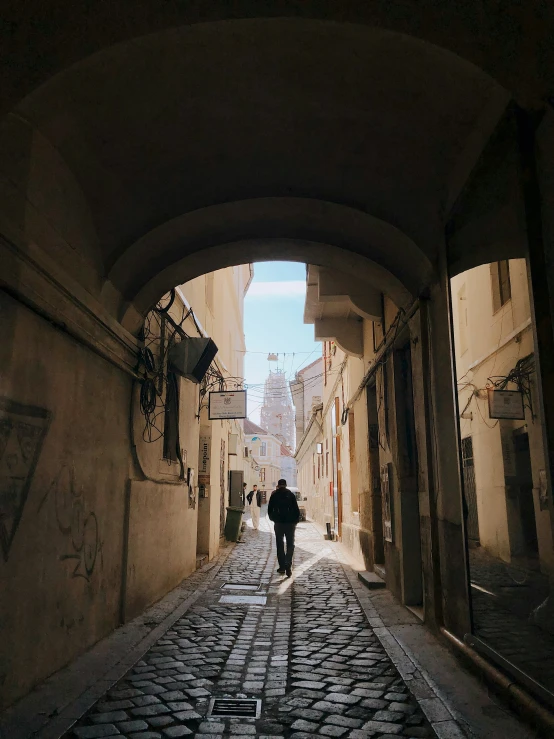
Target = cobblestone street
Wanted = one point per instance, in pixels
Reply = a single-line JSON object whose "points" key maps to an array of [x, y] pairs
{"points": [[304, 646]]}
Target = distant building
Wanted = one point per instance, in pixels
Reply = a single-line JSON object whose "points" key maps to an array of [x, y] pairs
{"points": [[288, 465], [307, 392], [270, 458], [277, 412], [264, 450]]}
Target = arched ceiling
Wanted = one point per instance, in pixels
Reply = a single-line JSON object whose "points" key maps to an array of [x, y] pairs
{"points": [[337, 134], [512, 42]]}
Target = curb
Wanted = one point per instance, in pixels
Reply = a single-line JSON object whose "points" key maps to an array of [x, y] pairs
{"points": [[39, 715]]}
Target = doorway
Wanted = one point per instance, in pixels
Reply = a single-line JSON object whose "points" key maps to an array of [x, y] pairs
{"points": [[470, 491], [336, 481], [375, 513], [528, 542], [408, 494]]}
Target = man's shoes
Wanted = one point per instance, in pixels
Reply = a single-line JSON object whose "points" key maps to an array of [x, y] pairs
{"points": [[289, 572], [281, 570]]}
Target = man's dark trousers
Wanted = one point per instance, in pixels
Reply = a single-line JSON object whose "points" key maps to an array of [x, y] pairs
{"points": [[284, 531]]}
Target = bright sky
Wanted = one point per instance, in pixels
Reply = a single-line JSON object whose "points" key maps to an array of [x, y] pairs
{"points": [[273, 322]]}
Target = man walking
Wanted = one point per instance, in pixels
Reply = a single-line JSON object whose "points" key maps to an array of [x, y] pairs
{"points": [[283, 511], [254, 497]]}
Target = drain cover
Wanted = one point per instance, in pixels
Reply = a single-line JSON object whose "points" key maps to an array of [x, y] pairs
{"points": [[238, 586], [248, 600], [242, 707]]}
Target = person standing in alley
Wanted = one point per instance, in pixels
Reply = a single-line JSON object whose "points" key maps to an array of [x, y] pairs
{"points": [[283, 511], [254, 498]]}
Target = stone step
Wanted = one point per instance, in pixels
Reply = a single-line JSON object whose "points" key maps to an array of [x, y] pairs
{"points": [[201, 560], [371, 580]]}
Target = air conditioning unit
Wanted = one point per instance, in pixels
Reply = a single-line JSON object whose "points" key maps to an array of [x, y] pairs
{"points": [[191, 357]]}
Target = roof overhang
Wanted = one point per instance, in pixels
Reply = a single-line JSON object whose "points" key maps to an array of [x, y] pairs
{"points": [[336, 304]]}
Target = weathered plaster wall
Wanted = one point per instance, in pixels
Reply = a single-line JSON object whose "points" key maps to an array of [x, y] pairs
{"points": [[162, 543], [66, 481]]}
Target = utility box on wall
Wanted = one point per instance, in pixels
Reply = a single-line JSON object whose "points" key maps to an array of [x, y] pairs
{"points": [[236, 479], [233, 444]]}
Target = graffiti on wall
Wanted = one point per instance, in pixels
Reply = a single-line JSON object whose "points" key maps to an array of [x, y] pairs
{"points": [[22, 432], [78, 525]]}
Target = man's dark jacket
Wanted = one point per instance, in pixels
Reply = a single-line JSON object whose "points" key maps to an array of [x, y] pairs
{"points": [[250, 497], [283, 507]]}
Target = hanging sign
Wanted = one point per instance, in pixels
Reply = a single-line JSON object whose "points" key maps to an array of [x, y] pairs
{"points": [[506, 404], [225, 404]]}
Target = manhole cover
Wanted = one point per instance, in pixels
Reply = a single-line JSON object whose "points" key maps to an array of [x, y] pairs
{"points": [[243, 707], [247, 600], [238, 586]]}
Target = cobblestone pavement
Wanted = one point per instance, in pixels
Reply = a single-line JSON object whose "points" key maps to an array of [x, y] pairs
{"points": [[308, 652], [503, 601]]}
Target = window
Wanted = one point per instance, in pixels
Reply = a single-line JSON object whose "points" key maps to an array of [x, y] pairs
{"points": [[263, 449], [313, 468], [500, 283], [326, 464], [262, 474], [171, 419], [245, 451], [318, 467]]}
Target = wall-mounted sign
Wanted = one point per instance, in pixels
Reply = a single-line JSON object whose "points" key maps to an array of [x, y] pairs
{"points": [[506, 404], [204, 459], [227, 405]]}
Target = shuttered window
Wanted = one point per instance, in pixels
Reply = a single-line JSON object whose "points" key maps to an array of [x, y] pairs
{"points": [[500, 282]]}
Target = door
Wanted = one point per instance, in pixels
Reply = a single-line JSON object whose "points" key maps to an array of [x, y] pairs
{"points": [[525, 493], [470, 492], [406, 481], [375, 514], [337, 492], [236, 478]]}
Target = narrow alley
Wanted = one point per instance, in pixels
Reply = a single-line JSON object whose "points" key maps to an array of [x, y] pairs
{"points": [[244, 243], [310, 654]]}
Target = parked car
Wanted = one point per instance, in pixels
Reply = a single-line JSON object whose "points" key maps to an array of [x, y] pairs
{"points": [[299, 498]]}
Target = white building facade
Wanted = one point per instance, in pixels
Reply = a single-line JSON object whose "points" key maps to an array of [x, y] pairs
{"points": [[306, 391]]}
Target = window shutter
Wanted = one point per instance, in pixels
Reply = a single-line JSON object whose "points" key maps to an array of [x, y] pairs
{"points": [[495, 285], [504, 279]]}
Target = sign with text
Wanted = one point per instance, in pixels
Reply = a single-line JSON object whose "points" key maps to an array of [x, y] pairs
{"points": [[506, 404], [204, 459], [225, 404]]}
